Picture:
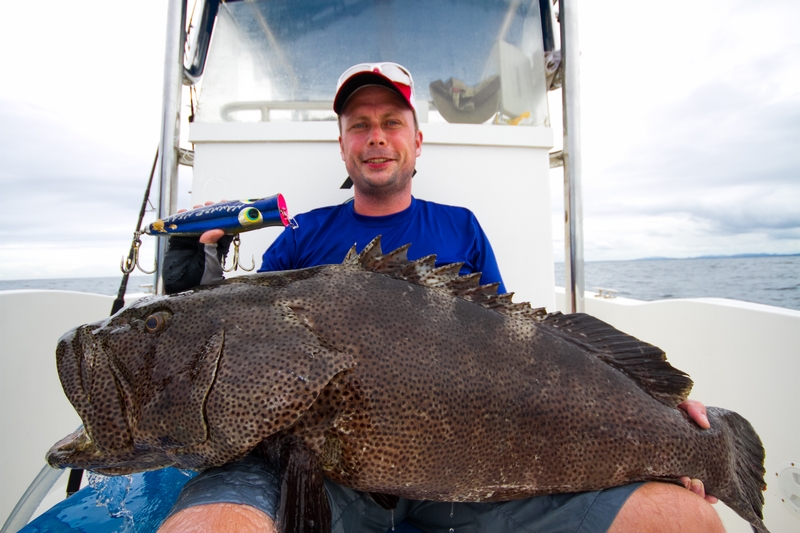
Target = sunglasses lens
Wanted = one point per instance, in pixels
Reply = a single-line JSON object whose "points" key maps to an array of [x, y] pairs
{"points": [[396, 73], [392, 71], [361, 67]]}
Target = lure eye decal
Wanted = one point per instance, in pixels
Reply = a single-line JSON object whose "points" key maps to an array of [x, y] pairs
{"points": [[156, 322], [249, 216]]}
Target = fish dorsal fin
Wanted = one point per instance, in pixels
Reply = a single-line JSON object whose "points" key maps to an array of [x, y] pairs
{"points": [[467, 281], [424, 272], [372, 258], [394, 261], [642, 362], [352, 256], [420, 270]]}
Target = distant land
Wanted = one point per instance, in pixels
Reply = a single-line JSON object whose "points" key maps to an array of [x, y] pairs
{"points": [[657, 258], [736, 256]]}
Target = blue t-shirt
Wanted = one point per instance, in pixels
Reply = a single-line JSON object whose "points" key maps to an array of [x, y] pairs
{"points": [[325, 235]]}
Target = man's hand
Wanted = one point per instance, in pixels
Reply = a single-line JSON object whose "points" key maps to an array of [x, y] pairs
{"points": [[696, 486], [697, 412], [213, 235]]}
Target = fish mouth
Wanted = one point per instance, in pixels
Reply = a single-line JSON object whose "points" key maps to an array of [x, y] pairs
{"points": [[77, 442], [77, 450]]}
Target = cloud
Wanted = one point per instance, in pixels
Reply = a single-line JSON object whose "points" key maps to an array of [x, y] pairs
{"points": [[79, 126], [70, 201], [692, 149], [58, 183]]}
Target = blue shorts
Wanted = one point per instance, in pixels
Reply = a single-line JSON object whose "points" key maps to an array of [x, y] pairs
{"points": [[584, 512], [252, 481]]}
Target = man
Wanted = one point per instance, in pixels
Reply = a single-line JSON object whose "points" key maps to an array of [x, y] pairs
{"points": [[379, 142]]}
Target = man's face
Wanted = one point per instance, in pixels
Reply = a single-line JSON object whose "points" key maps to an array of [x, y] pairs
{"points": [[379, 142]]}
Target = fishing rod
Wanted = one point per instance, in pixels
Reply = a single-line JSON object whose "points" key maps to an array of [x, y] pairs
{"points": [[133, 254]]}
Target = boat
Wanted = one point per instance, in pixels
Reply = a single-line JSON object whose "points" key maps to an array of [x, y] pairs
{"points": [[259, 77]]}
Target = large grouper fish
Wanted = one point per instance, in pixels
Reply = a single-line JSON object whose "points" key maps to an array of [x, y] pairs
{"points": [[396, 378]]}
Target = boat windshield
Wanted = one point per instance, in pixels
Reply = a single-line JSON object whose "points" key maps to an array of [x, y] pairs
{"points": [[473, 61]]}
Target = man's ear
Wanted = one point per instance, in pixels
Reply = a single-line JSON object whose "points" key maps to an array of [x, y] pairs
{"points": [[419, 142]]}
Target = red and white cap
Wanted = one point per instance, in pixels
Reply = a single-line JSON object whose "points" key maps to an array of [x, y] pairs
{"points": [[390, 75]]}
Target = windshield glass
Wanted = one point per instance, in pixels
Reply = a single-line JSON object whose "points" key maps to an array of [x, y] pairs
{"points": [[472, 61]]}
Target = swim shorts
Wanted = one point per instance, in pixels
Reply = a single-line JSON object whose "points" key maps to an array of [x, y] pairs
{"points": [[256, 482], [584, 512]]}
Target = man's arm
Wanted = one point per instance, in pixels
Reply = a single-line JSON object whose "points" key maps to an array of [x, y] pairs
{"points": [[483, 257], [190, 261]]}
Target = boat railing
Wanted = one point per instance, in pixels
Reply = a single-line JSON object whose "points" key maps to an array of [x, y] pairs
{"points": [[266, 106]]}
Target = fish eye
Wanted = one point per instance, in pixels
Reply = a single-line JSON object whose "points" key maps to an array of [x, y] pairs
{"points": [[156, 322]]}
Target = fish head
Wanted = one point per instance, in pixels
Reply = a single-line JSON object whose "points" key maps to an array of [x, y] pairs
{"points": [[194, 379], [138, 380]]}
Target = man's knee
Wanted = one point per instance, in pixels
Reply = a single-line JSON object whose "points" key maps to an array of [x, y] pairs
{"points": [[218, 518], [664, 508]]}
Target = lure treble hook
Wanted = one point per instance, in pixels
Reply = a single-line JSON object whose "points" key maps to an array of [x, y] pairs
{"points": [[235, 263], [131, 263]]}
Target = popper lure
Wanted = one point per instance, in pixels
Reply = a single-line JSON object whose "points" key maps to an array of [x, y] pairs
{"points": [[231, 217]]}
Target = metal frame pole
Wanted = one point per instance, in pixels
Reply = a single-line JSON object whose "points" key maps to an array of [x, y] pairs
{"points": [[573, 204], [170, 125]]}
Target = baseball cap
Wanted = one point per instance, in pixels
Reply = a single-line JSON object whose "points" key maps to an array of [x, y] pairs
{"points": [[390, 75]]}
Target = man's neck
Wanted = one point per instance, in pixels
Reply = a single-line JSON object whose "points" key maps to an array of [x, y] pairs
{"points": [[378, 207]]}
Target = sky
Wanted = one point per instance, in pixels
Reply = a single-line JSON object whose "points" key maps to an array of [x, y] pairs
{"points": [[690, 130]]}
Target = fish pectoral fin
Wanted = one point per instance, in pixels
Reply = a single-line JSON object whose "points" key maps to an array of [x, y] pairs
{"points": [[304, 502], [643, 363], [387, 501]]}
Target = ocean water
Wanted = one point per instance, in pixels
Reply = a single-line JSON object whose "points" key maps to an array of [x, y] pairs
{"points": [[109, 286], [770, 280]]}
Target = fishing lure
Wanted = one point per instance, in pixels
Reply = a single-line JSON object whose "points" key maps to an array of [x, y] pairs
{"points": [[231, 217]]}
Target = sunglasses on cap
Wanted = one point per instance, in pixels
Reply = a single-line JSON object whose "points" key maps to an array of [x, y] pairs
{"points": [[391, 71]]}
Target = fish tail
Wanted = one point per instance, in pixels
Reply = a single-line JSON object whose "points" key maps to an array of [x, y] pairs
{"points": [[745, 494]]}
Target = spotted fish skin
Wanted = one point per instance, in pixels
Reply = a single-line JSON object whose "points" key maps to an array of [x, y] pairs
{"points": [[393, 378]]}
